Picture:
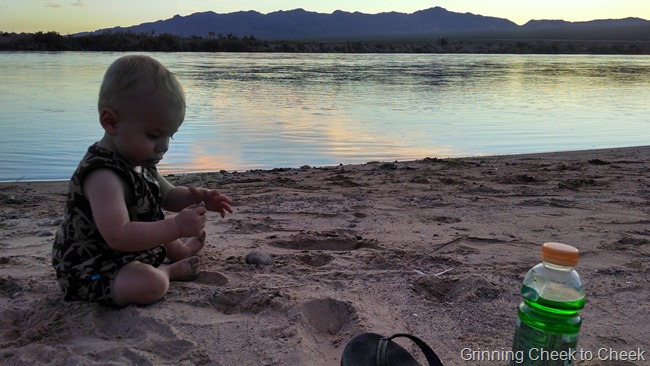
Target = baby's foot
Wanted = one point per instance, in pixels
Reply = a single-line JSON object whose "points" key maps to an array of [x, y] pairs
{"points": [[184, 270], [195, 244]]}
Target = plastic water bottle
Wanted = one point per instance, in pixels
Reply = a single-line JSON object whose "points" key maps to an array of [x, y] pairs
{"points": [[548, 319]]}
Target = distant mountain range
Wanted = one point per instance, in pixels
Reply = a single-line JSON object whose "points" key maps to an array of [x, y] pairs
{"points": [[301, 24]]}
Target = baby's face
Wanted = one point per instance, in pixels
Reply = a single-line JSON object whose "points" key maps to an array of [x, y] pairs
{"points": [[144, 131]]}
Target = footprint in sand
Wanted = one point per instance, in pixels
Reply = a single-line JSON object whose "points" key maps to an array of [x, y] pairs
{"points": [[211, 278], [441, 290], [324, 241], [247, 227], [315, 260], [147, 336], [247, 301], [329, 315]]}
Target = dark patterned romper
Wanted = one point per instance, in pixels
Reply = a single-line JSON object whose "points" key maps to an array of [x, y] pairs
{"points": [[85, 265]]}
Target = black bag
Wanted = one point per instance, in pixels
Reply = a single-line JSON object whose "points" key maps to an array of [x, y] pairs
{"points": [[370, 349]]}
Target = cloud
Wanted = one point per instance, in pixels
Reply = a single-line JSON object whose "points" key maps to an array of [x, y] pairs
{"points": [[55, 5]]}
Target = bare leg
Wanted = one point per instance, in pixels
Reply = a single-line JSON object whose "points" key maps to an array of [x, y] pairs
{"points": [[142, 284]]}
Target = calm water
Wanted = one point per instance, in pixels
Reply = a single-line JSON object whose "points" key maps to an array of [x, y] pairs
{"points": [[285, 110]]}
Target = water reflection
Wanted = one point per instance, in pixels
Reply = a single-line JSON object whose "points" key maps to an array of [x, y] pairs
{"points": [[297, 107], [275, 110]]}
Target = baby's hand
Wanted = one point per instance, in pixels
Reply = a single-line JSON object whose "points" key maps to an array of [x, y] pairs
{"points": [[213, 200], [191, 221]]}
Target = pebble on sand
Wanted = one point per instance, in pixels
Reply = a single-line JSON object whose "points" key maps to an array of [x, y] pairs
{"points": [[256, 257]]}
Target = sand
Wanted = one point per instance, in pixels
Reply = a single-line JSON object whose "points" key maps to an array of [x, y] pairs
{"points": [[435, 248]]}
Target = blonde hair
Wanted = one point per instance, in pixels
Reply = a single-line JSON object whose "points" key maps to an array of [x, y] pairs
{"points": [[130, 76]]}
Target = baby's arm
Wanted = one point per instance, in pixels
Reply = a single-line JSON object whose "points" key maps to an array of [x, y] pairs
{"points": [[177, 198], [105, 191]]}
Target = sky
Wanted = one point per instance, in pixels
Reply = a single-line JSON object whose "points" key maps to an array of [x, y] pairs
{"points": [[72, 16]]}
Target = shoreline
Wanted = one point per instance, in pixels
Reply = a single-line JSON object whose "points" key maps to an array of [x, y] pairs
{"points": [[539, 154], [437, 248]]}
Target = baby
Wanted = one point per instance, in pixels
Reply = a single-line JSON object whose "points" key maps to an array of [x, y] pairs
{"points": [[114, 237]]}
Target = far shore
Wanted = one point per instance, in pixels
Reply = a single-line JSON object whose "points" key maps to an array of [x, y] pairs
{"points": [[483, 43]]}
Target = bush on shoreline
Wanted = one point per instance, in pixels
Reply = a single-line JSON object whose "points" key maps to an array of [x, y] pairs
{"points": [[165, 42]]}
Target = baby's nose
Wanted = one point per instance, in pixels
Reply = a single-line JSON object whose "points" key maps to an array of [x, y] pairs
{"points": [[163, 146]]}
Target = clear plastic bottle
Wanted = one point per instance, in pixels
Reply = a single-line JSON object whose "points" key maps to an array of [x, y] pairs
{"points": [[548, 319]]}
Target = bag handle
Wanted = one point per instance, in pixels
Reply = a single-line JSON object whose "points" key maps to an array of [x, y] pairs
{"points": [[431, 356]]}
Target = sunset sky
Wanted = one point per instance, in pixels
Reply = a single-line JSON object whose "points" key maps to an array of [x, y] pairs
{"points": [[71, 16]]}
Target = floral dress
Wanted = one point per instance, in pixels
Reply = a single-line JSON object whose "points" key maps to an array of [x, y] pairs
{"points": [[85, 265]]}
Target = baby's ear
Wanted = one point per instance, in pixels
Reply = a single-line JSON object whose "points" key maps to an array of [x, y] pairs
{"points": [[108, 119]]}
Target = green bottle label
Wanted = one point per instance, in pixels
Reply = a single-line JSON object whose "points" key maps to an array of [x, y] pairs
{"points": [[543, 349]]}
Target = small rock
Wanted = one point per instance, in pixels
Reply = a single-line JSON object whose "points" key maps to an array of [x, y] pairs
{"points": [[258, 258], [50, 222]]}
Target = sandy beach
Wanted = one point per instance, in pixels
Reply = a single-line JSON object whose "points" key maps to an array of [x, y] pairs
{"points": [[435, 247]]}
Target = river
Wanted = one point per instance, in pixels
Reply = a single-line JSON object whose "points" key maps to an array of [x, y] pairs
{"points": [[270, 110]]}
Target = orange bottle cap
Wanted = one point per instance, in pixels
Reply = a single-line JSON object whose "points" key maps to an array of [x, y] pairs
{"points": [[560, 254]]}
